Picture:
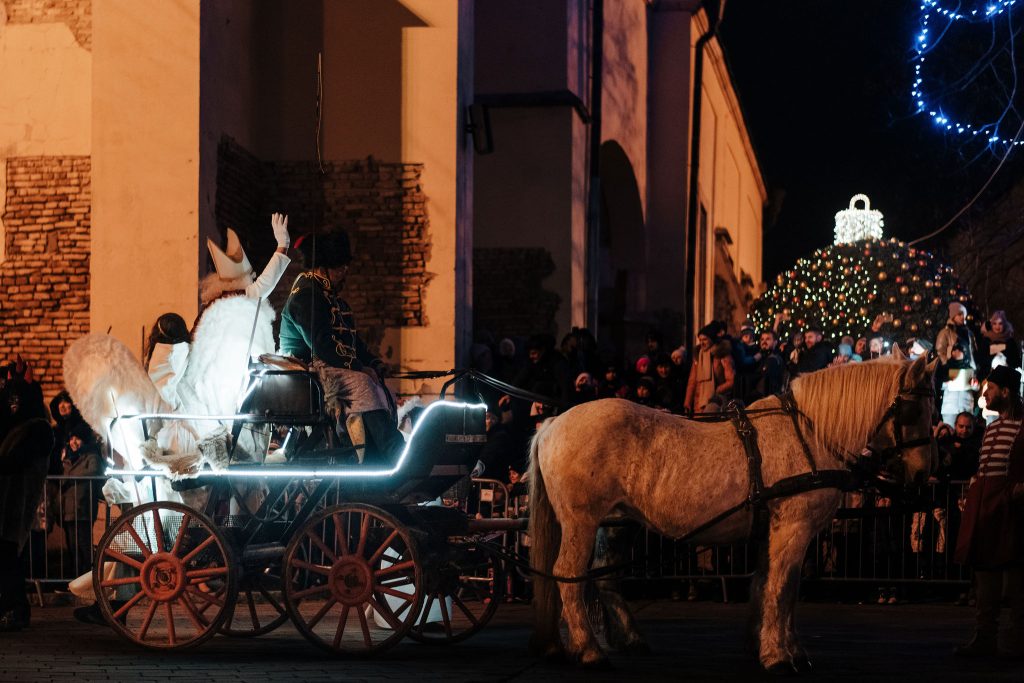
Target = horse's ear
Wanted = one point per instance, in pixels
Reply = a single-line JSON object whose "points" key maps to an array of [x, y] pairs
{"points": [[897, 352]]}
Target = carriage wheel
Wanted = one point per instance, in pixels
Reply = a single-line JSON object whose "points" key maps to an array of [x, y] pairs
{"points": [[460, 597], [259, 608], [164, 577], [347, 564]]}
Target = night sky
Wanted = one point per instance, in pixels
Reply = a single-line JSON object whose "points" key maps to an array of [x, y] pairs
{"points": [[824, 85]]}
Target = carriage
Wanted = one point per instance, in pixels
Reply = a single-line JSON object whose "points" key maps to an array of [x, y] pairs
{"points": [[342, 541]]}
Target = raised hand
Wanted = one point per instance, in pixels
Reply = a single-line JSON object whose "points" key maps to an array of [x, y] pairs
{"points": [[279, 222]]}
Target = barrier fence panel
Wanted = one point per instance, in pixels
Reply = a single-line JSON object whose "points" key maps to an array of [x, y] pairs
{"points": [[871, 538]]}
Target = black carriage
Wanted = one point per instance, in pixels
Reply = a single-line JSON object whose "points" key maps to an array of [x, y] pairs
{"points": [[351, 552]]}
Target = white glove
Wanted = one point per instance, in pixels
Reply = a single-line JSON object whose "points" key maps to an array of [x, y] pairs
{"points": [[279, 222]]}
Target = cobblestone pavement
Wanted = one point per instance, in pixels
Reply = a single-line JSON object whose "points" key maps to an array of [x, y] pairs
{"points": [[692, 641]]}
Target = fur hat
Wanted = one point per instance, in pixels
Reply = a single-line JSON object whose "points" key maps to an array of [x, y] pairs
{"points": [[1005, 378], [326, 250]]}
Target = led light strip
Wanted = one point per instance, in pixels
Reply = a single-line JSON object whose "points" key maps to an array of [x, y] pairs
{"points": [[299, 473], [923, 40]]}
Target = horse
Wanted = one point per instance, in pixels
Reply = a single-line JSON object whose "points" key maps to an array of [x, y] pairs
{"points": [[690, 478]]}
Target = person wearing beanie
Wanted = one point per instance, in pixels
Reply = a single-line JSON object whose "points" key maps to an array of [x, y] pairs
{"points": [[990, 533], [956, 350], [997, 339], [80, 497], [712, 372]]}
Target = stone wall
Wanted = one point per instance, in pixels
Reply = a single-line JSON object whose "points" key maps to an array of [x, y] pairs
{"points": [[381, 205], [44, 281], [508, 296], [77, 14]]}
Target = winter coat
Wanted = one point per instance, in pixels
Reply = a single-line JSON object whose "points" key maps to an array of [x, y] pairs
{"points": [[24, 459], [988, 347], [955, 336], [80, 497], [992, 530], [317, 323]]}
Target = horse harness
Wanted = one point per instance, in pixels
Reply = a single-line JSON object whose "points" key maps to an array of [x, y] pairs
{"points": [[902, 411]]}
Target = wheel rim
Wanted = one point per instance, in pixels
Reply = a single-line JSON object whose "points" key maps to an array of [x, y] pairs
{"points": [[460, 597], [259, 608], [163, 576], [347, 563]]}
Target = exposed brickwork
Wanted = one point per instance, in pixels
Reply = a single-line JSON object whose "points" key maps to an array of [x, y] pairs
{"points": [[44, 279], [77, 14], [508, 297], [381, 205]]}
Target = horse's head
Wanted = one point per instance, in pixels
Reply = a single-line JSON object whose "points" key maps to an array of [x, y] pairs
{"points": [[904, 438]]}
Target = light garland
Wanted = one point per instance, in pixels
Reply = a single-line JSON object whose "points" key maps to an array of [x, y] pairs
{"points": [[925, 41], [853, 224]]}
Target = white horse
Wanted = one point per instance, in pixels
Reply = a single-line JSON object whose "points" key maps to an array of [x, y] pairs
{"points": [[674, 475]]}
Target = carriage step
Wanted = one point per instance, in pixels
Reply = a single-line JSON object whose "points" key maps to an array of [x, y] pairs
{"points": [[262, 553]]}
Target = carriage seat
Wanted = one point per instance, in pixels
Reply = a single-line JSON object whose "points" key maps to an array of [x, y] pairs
{"points": [[282, 362], [284, 390]]}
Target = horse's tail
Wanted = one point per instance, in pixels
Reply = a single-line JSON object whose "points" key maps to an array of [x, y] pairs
{"points": [[545, 539]]}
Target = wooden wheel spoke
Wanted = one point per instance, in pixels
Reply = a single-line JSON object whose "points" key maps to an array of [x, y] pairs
{"points": [[383, 546], [379, 588], [147, 620], [109, 583], [394, 569], [158, 531], [121, 557], [170, 624], [205, 597], [323, 547], [387, 614], [342, 620], [192, 614], [444, 616], [365, 626], [199, 548], [146, 552], [364, 531], [318, 568], [322, 613], [340, 538], [306, 592], [426, 608], [457, 601], [410, 600], [271, 599], [194, 574], [252, 610], [128, 605], [185, 521]]}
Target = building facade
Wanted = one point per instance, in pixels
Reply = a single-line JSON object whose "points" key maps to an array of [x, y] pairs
{"points": [[501, 167]]}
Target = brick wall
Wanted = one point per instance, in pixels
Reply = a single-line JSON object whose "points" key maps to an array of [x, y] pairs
{"points": [[381, 205], [508, 297], [77, 14], [44, 279]]}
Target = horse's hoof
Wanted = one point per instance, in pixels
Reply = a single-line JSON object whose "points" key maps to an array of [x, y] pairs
{"points": [[782, 669]]}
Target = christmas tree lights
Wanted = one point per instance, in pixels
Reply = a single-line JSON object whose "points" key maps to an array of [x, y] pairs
{"points": [[843, 288]]}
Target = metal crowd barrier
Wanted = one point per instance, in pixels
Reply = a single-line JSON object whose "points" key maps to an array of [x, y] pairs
{"points": [[871, 539]]}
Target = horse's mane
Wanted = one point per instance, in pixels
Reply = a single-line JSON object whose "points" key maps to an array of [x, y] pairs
{"points": [[845, 403]]}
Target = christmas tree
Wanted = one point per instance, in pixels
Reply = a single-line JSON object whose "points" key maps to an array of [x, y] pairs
{"points": [[843, 288]]}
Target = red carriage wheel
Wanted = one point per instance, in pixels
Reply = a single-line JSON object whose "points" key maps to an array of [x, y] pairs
{"points": [[461, 595], [164, 577], [352, 580], [259, 608]]}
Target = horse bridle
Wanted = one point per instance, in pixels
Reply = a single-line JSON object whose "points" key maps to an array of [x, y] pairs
{"points": [[902, 411]]}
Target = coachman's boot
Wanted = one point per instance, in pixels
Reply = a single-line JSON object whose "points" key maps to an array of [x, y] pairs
{"points": [[384, 443]]}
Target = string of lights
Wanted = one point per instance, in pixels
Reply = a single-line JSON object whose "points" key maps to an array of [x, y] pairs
{"points": [[935, 22]]}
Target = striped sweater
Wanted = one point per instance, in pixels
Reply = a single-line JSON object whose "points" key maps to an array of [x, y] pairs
{"points": [[995, 449]]}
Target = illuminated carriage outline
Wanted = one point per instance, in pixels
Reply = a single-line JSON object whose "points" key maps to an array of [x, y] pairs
{"points": [[355, 575]]}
